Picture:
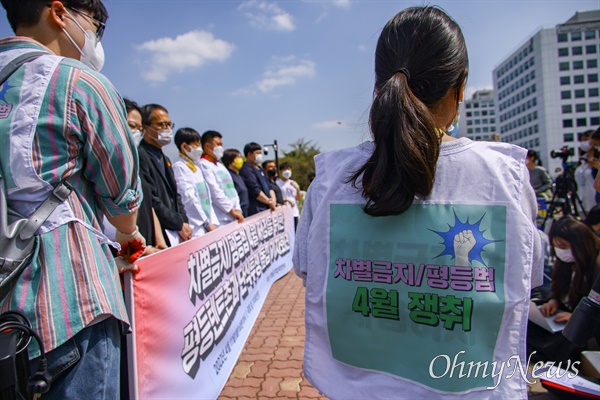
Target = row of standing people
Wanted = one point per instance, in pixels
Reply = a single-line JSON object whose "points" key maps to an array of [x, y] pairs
{"points": [[207, 187]]}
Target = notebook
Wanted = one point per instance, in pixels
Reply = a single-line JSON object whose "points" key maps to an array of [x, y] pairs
{"points": [[536, 316]]}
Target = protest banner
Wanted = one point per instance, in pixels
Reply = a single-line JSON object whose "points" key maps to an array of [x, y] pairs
{"points": [[195, 304]]}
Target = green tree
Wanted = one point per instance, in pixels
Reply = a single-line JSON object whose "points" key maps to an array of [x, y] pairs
{"points": [[301, 158]]}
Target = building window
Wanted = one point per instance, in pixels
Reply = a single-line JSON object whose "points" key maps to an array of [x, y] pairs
{"points": [[565, 80], [577, 50], [468, 105], [580, 107], [475, 105], [563, 52], [469, 114], [594, 121], [594, 106], [565, 94], [593, 63], [578, 79], [575, 36], [593, 92], [536, 129], [477, 130], [567, 123], [590, 35], [579, 93], [590, 49], [581, 122], [470, 130], [568, 137], [492, 120], [563, 66], [562, 37], [567, 109], [577, 64], [592, 78]]}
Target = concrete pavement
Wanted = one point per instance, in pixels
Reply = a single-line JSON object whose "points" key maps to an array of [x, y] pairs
{"points": [[270, 366]]}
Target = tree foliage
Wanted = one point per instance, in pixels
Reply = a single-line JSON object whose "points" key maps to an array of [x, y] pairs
{"points": [[301, 158]]}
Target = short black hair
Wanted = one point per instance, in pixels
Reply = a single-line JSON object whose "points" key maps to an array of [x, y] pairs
{"points": [[27, 13], [285, 165], [229, 155], [593, 216], [186, 135], [208, 136], [251, 148], [147, 111], [264, 164], [131, 105]]}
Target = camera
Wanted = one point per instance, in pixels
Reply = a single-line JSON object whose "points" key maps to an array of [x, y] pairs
{"points": [[564, 152], [585, 320]]}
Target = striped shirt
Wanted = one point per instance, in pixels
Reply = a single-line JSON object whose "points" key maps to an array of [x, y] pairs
{"points": [[81, 134]]}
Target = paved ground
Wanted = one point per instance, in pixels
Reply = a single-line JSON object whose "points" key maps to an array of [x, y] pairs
{"points": [[270, 366]]}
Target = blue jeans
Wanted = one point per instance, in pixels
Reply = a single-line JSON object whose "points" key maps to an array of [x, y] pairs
{"points": [[87, 365]]}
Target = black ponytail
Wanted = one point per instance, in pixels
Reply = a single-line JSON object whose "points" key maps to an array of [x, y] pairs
{"points": [[421, 55]]}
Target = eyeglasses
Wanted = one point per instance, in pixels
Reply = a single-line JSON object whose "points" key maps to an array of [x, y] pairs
{"points": [[100, 27], [164, 125]]}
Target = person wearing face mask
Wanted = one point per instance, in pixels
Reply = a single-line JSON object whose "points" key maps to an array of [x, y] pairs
{"points": [[226, 202], [586, 171], [77, 124], [290, 189], [577, 265], [271, 169], [259, 192], [156, 171], [232, 159], [191, 184]]}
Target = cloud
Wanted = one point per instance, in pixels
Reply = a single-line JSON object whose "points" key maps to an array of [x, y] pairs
{"points": [[184, 52], [341, 3], [335, 124], [268, 16], [285, 72]]}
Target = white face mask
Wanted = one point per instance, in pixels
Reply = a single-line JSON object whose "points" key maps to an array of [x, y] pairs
{"points": [[287, 174], [585, 146], [218, 151], [137, 137], [92, 53], [194, 153], [258, 158], [564, 255], [164, 137]]}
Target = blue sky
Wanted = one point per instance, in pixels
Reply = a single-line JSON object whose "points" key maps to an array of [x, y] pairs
{"points": [[263, 70]]}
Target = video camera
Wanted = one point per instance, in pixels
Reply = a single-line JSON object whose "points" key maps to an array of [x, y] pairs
{"points": [[564, 152]]}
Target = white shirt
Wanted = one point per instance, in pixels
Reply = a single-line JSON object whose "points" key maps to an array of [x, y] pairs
{"points": [[585, 186], [222, 190], [354, 266], [195, 196], [289, 192]]}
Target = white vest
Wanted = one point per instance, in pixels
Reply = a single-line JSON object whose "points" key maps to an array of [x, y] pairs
{"points": [[395, 304]]}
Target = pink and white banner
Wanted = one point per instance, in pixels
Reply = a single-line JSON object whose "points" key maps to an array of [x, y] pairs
{"points": [[194, 305]]}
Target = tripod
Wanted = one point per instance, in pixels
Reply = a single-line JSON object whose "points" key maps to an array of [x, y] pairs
{"points": [[565, 194]]}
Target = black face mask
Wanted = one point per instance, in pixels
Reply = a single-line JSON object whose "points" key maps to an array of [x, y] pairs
{"points": [[272, 173]]}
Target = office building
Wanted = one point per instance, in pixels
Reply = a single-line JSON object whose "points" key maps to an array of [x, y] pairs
{"points": [[547, 90]]}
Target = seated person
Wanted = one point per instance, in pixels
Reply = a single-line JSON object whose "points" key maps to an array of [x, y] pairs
{"points": [[577, 250], [593, 219], [191, 185], [232, 159]]}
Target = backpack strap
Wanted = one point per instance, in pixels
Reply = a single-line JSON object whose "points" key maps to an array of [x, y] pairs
{"points": [[14, 65]]}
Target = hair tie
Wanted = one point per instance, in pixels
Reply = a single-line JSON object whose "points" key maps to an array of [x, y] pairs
{"points": [[404, 72]]}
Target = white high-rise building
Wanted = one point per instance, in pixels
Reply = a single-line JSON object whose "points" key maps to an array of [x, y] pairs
{"points": [[547, 91], [478, 116]]}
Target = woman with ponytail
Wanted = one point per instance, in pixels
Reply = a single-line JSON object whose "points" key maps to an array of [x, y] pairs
{"points": [[426, 251]]}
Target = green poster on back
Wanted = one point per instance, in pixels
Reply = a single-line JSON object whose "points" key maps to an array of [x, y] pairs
{"points": [[420, 285]]}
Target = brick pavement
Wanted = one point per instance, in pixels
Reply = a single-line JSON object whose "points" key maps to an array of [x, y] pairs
{"points": [[270, 366]]}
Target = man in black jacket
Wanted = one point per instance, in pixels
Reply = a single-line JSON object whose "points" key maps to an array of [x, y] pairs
{"points": [[155, 169], [260, 194]]}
